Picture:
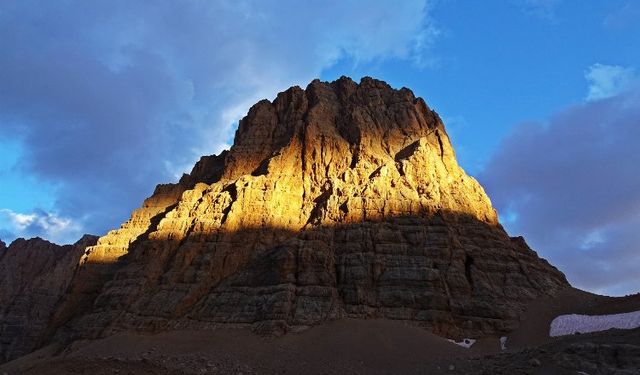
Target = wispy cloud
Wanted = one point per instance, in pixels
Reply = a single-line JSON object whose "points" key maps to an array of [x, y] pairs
{"points": [[606, 81], [540, 8], [624, 16], [38, 223]]}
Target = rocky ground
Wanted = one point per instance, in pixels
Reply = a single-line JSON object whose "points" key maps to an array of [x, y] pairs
{"points": [[611, 352], [362, 347], [357, 347]]}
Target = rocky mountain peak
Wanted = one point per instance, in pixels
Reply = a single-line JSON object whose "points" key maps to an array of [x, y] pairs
{"points": [[341, 200], [347, 137]]}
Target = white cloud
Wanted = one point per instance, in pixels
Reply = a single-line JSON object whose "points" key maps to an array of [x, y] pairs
{"points": [[39, 223], [606, 81]]}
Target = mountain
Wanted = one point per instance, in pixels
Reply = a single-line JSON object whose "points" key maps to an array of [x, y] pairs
{"points": [[341, 200], [34, 276]]}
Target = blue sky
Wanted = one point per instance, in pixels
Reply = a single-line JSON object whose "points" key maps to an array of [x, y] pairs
{"points": [[100, 101]]}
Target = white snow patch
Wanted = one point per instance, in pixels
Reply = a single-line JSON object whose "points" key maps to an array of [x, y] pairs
{"points": [[574, 323], [466, 343], [503, 342]]}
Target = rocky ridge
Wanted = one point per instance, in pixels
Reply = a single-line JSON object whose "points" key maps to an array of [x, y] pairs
{"points": [[343, 199], [339, 200], [34, 276]]}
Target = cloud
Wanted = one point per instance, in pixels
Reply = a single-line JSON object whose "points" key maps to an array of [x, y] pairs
{"points": [[623, 17], [110, 98], [572, 188], [539, 8], [606, 81], [39, 223], [6, 236]]}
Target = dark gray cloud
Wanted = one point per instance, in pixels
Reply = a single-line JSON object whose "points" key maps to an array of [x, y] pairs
{"points": [[572, 188], [111, 97]]}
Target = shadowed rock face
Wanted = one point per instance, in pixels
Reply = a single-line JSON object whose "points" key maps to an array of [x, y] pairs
{"points": [[340, 200], [34, 275]]}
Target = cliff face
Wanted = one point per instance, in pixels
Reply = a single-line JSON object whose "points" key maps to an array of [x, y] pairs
{"points": [[342, 199], [34, 275]]}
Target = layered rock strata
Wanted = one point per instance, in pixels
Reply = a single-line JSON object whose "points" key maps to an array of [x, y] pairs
{"points": [[343, 199], [339, 200]]}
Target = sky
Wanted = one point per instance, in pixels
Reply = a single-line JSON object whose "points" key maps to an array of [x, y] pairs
{"points": [[102, 100]]}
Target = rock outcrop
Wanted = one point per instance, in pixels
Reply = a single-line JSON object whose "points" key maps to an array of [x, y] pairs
{"points": [[34, 275], [339, 200], [343, 199]]}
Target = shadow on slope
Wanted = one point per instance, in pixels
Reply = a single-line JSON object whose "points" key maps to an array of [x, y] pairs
{"points": [[449, 272]]}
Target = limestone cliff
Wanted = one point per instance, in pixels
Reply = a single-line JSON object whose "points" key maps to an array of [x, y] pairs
{"points": [[34, 275], [339, 200]]}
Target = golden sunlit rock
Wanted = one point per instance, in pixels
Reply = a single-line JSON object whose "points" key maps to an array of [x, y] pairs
{"points": [[343, 199], [340, 200]]}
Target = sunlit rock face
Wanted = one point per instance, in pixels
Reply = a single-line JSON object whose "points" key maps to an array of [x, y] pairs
{"points": [[339, 200], [34, 276]]}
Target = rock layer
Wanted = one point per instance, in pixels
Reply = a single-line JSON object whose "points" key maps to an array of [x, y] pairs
{"points": [[34, 276], [340, 200]]}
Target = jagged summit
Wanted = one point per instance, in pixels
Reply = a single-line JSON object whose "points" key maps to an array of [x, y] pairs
{"points": [[341, 131], [270, 126], [340, 200]]}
